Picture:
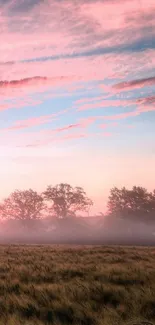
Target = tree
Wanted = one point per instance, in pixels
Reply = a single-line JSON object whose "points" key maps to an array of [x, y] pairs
{"points": [[66, 200], [137, 202], [117, 200], [25, 206]]}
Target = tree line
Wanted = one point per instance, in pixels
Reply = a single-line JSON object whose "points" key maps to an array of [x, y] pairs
{"points": [[137, 203], [61, 203]]}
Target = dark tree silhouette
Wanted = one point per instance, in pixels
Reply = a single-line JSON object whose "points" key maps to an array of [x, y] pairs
{"points": [[137, 203], [66, 200], [26, 206]]}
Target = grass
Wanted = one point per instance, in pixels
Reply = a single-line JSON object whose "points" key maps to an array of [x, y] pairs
{"points": [[79, 285]]}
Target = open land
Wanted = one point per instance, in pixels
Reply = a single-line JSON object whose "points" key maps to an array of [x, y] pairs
{"points": [[81, 285]]}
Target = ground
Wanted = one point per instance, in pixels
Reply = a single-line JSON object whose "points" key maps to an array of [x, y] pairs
{"points": [[76, 285]]}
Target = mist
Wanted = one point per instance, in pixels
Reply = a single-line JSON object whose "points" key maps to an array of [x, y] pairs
{"points": [[61, 215], [80, 231]]}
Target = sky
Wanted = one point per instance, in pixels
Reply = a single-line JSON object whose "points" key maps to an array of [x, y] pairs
{"points": [[77, 95]]}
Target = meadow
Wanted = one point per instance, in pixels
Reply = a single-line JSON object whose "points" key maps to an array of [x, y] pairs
{"points": [[81, 285]]}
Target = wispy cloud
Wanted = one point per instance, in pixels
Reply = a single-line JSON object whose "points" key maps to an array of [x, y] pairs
{"points": [[121, 116], [22, 82], [66, 46], [106, 103], [35, 121], [24, 124], [133, 84], [30, 82]]}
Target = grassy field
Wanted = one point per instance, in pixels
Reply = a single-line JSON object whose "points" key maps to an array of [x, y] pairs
{"points": [[76, 285]]}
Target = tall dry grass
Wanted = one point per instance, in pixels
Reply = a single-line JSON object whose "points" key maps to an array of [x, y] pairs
{"points": [[79, 285]]}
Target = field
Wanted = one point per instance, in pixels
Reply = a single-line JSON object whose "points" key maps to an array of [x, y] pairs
{"points": [[76, 285]]}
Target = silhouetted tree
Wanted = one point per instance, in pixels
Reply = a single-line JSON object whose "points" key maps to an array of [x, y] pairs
{"points": [[25, 206], [137, 203], [66, 200], [116, 200]]}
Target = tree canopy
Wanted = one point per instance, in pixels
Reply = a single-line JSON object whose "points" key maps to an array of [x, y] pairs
{"points": [[66, 200], [24, 206], [137, 202]]}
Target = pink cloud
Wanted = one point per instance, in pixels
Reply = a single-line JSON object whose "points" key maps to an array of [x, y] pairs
{"points": [[19, 103], [27, 123], [106, 103], [125, 18], [23, 82], [31, 122], [142, 105], [103, 126], [66, 128], [28, 86], [121, 116], [92, 29], [76, 72], [64, 138], [65, 21], [32, 82], [74, 28], [72, 136], [50, 140], [47, 136], [146, 100], [85, 69], [133, 84], [24, 100], [146, 104], [88, 99], [87, 121]]}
